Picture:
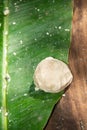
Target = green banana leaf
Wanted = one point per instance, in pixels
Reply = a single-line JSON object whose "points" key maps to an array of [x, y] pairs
{"points": [[30, 30]]}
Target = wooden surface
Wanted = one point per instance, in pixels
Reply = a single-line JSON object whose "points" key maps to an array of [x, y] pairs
{"points": [[71, 112]]}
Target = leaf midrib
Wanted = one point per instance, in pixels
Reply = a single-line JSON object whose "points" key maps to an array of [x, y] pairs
{"points": [[4, 66]]}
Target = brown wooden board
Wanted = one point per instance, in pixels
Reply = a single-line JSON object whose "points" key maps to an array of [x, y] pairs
{"points": [[71, 112]]}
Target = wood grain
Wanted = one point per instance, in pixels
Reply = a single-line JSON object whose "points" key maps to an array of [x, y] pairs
{"points": [[71, 112]]}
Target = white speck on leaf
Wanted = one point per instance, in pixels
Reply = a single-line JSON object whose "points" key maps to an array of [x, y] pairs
{"points": [[14, 53], [20, 69], [25, 94], [14, 23], [19, 32], [0, 24], [36, 89], [6, 114], [21, 42], [39, 118], [15, 3], [12, 99], [6, 32], [60, 27], [47, 33], [6, 11], [67, 30], [38, 10], [10, 121], [4, 87], [35, 39], [53, 1], [0, 110], [43, 101], [55, 27], [50, 35], [16, 8]]}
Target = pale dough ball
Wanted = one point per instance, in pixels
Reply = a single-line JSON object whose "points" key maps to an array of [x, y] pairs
{"points": [[52, 75]]}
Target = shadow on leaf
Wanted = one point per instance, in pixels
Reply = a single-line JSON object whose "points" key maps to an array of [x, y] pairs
{"points": [[42, 95]]}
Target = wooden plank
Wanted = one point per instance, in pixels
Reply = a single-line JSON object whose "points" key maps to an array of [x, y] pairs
{"points": [[71, 112]]}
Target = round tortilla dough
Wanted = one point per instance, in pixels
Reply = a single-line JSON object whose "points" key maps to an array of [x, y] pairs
{"points": [[52, 75]]}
